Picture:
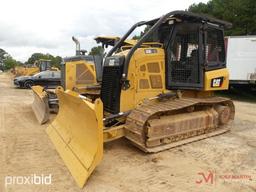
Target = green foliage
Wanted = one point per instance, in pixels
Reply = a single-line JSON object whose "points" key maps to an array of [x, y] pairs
{"points": [[9, 63], [6, 61], [55, 61], [3, 54], [98, 50], [242, 14], [136, 37]]}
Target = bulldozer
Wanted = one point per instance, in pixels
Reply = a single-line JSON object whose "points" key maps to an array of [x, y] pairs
{"points": [[158, 94], [80, 73], [38, 66], [76, 73], [25, 70]]}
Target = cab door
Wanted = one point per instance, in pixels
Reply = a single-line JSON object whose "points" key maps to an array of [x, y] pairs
{"points": [[184, 57]]}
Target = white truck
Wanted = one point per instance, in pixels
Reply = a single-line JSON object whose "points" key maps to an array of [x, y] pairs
{"points": [[241, 60]]}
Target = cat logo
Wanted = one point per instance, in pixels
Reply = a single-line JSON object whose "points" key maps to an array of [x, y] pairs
{"points": [[217, 82]]}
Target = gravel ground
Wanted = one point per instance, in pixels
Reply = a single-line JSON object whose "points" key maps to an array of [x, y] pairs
{"points": [[25, 149]]}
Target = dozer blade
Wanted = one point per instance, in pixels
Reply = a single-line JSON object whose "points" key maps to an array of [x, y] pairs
{"points": [[40, 104], [77, 133]]}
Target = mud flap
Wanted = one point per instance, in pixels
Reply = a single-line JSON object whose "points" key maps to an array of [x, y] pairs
{"points": [[40, 104], [77, 133]]}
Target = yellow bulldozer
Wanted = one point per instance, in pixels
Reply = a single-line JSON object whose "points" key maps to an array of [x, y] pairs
{"points": [[25, 70], [158, 94], [29, 70], [81, 73]]}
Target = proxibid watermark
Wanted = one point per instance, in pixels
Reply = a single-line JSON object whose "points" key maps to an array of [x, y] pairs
{"points": [[29, 180]]}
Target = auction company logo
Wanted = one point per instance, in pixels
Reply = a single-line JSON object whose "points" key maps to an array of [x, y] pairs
{"points": [[211, 177], [205, 178], [29, 180]]}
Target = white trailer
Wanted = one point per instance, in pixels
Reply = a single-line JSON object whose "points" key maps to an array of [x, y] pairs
{"points": [[241, 60]]}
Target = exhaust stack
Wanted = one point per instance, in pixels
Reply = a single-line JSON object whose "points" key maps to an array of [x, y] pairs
{"points": [[78, 51]]}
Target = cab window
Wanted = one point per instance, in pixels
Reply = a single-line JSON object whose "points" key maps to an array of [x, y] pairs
{"points": [[214, 48]]}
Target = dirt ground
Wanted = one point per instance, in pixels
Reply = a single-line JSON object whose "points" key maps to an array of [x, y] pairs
{"points": [[25, 149]]}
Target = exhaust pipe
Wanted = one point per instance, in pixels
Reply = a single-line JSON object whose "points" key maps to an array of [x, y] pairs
{"points": [[78, 51]]}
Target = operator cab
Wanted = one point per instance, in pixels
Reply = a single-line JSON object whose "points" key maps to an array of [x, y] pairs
{"points": [[191, 47], [44, 64]]}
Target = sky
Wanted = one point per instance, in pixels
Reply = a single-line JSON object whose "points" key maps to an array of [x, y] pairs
{"points": [[46, 26]]}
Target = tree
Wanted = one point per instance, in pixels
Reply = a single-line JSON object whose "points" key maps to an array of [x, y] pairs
{"points": [[6, 61], [55, 61], [9, 63], [35, 57], [98, 50], [242, 14], [3, 54], [137, 37]]}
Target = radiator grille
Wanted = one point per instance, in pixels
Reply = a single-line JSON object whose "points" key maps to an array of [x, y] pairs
{"points": [[84, 75], [153, 68], [144, 84], [156, 81], [111, 88]]}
